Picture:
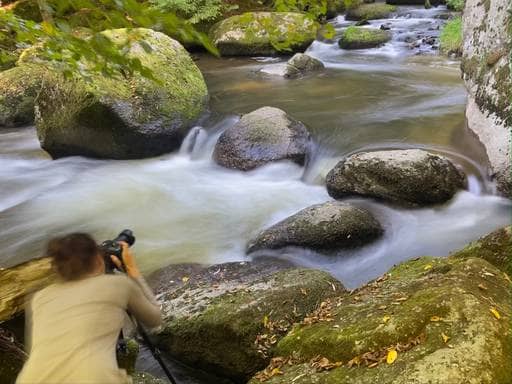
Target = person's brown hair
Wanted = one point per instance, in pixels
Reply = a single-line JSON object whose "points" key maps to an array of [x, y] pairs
{"points": [[73, 256]]}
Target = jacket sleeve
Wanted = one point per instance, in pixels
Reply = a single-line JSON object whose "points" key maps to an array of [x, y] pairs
{"points": [[142, 304]]}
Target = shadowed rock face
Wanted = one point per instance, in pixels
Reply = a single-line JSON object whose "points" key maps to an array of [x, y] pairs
{"points": [[122, 118], [323, 227], [407, 177], [227, 318], [262, 136]]}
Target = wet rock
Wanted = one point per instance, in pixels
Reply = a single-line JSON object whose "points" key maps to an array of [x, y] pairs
{"points": [[324, 227], [12, 356], [334, 8], [253, 33], [430, 40], [363, 38], [20, 86], [370, 12], [496, 248], [262, 136], [360, 23], [444, 326], [301, 64], [123, 118], [227, 318], [386, 26], [408, 177]]}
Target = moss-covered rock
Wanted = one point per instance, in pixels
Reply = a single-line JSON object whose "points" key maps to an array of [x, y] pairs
{"points": [[363, 38], [123, 118], [301, 64], [227, 318], [495, 247], [27, 9], [263, 33], [408, 177], [324, 227], [20, 86], [448, 320], [265, 135], [370, 12], [12, 357]]}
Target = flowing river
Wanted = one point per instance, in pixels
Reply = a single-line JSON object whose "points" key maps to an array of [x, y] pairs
{"points": [[184, 208]]}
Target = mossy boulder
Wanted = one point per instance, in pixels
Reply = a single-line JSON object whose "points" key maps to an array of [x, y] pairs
{"points": [[495, 247], [448, 319], [263, 33], [407, 177], [301, 64], [12, 357], [227, 318], [370, 12], [20, 86], [123, 118], [324, 227], [265, 135], [363, 38]]}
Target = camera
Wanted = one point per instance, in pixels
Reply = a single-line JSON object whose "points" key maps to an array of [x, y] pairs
{"points": [[112, 247]]}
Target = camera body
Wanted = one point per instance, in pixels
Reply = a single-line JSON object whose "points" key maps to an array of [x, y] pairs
{"points": [[112, 247]]}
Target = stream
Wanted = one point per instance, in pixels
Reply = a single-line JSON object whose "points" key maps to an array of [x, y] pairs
{"points": [[184, 208]]}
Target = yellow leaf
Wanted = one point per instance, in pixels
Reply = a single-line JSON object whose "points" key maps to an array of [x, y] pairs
{"points": [[391, 357], [427, 267], [265, 321], [495, 313], [445, 338], [385, 319], [276, 371], [185, 279], [435, 318]]}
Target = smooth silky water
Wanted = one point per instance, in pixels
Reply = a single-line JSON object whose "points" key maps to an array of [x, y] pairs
{"points": [[184, 208]]}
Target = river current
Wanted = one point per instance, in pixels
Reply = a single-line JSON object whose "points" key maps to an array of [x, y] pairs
{"points": [[185, 208]]}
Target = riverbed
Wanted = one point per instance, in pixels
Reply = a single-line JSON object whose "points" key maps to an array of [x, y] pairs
{"points": [[185, 208]]}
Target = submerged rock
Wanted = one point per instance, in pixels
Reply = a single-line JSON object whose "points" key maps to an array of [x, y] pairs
{"points": [[363, 38], [443, 320], [124, 118], [410, 177], [20, 86], [227, 318], [263, 33], [370, 12], [328, 226], [301, 64], [262, 136]]}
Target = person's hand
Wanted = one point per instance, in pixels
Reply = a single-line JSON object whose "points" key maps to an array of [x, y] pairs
{"points": [[129, 265]]}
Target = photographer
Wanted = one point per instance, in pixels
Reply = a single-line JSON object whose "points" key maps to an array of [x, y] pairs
{"points": [[73, 325]]}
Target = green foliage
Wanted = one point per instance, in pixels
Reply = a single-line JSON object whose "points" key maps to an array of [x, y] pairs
{"points": [[195, 11], [456, 5], [451, 36], [350, 4], [314, 9]]}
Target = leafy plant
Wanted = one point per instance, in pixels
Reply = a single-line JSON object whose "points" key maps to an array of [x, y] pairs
{"points": [[456, 5], [450, 40], [195, 11]]}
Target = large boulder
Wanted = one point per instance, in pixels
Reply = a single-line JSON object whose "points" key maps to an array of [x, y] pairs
{"points": [[123, 118], [301, 64], [486, 72], [408, 177], [262, 136], [370, 12], [428, 321], [263, 33], [324, 227], [227, 318], [20, 86], [363, 38]]}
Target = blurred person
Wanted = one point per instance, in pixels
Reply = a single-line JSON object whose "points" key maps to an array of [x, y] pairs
{"points": [[72, 326]]}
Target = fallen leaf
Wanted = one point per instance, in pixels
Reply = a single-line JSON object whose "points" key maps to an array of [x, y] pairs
{"points": [[427, 267], [185, 279], [445, 338], [391, 357], [435, 318], [482, 287], [385, 319], [495, 313], [265, 321]]}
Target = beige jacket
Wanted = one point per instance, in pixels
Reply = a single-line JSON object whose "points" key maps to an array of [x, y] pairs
{"points": [[72, 329]]}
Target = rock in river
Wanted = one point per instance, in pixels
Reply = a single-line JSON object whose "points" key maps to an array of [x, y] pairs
{"points": [[262, 136], [123, 118], [327, 226], [409, 177], [370, 12], [227, 318], [363, 38], [263, 33], [301, 64]]}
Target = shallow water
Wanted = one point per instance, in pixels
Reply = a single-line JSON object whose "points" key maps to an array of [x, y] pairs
{"points": [[184, 208]]}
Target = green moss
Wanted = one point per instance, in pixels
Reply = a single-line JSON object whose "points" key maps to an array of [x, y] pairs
{"points": [[370, 11], [126, 359], [455, 5], [450, 40], [361, 38]]}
